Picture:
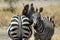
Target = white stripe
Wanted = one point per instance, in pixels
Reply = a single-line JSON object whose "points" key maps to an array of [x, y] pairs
{"points": [[26, 31], [26, 35], [13, 27], [25, 23], [15, 35], [35, 31], [23, 39], [12, 32], [14, 23], [15, 19], [8, 28], [23, 16], [25, 27], [25, 19]]}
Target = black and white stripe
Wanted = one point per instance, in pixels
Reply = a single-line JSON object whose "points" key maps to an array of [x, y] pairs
{"points": [[26, 27], [13, 28], [19, 28], [44, 28]]}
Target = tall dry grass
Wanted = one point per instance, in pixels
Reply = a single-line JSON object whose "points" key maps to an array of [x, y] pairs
{"points": [[48, 10]]}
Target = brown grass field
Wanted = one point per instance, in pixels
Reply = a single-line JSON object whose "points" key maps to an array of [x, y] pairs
{"points": [[48, 10]]}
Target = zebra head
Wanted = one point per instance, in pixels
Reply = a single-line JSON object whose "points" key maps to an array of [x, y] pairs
{"points": [[37, 16]]}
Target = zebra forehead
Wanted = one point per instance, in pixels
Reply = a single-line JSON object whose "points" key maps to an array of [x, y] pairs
{"points": [[36, 14]]}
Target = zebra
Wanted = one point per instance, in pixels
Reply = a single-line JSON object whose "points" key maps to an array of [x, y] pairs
{"points": [[19, 28], [44, 28]]}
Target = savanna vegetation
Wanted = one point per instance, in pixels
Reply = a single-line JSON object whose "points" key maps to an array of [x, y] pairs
{"points": [[48, 10]]}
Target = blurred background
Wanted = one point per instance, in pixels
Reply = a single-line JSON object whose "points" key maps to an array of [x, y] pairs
{"points": [[9, 8]]}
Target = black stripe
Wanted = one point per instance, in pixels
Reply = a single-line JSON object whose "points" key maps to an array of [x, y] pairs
{"points": [[26, 25], [14, 34], [24, 37], [16, 37], [25, 20], [26, 29], [14, 25], [26, 33], [14, 29]]}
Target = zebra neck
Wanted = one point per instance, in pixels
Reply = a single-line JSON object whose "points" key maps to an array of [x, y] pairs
{"points": [[40, 26]]}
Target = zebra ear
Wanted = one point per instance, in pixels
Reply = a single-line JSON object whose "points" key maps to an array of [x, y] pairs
{"points": [[36, 10], [41, 9]]}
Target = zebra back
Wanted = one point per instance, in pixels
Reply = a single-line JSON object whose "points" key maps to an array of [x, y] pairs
{"points": [[14, 28], [19, 28], [26, 27]]}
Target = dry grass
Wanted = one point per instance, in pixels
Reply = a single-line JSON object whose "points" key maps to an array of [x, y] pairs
{"points": [[5, 16], [16, 0], [48, 10]]}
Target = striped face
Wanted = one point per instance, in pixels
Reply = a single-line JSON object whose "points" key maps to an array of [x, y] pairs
{"points": [[35, 17]]}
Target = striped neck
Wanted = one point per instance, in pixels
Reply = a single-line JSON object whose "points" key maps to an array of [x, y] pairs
{"points": [[39, 25]]}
